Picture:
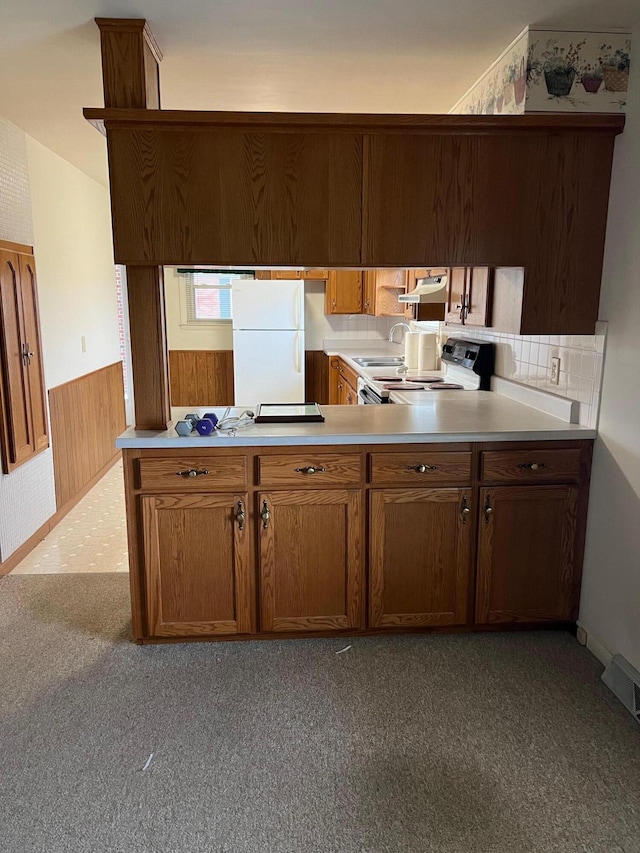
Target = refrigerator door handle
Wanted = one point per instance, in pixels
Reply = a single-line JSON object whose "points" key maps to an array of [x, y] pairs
{"points": [[298, 307], [298, 353]]}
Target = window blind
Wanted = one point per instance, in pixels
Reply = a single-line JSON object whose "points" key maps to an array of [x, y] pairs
{"points": [[208, 295]]}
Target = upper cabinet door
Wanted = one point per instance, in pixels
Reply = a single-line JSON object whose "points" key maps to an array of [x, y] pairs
{"points": [[236, 196], [33, 352], [477, 311], [456, 296], [343, 294]]}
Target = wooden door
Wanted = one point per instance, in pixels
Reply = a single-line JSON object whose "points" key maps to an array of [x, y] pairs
{"points": [[369, 292], [198, 565], [478, 300], [33, 351], [310, 560], [419, 557], [456, 295], [344, 292], [17, 433], [526, 553]]}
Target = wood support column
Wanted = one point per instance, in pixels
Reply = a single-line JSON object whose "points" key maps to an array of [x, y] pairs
{"points": [[130, 63], [130, 79], [149, 359]]}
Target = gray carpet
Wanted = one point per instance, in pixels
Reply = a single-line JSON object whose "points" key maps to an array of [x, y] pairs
{"points": [[504, 743]]}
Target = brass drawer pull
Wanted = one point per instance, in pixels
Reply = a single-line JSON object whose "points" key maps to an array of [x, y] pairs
{"points": [[311, 469], [532, 466], [192, 472], [420, 469]]}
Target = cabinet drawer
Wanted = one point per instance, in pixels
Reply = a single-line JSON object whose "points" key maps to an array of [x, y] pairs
{"points": [[224, 472], [348, 374], [420, 467], [312, 469], [526, 466]]}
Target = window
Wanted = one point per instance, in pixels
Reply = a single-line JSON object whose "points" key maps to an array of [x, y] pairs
{"points": [[206, 297]]}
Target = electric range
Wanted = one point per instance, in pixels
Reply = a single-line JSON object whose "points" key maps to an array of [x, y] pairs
{"points": [[467, 366]]}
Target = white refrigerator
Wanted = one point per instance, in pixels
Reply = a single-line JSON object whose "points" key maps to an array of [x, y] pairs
{"points": [[268, 341]]}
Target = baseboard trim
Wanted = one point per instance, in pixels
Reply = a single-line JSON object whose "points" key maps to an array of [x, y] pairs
{"points": [[597, 649], [23, 550]]}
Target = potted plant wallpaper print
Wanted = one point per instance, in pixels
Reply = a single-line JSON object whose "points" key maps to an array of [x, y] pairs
{"points": [[554, 71], [578, 72]]}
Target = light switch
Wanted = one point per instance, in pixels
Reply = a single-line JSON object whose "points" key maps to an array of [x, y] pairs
{"points": [[83, 343]]}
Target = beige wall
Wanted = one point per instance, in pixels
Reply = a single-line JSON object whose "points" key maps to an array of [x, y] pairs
{"points": [[46, 202], [76, 274], [610, 606]]}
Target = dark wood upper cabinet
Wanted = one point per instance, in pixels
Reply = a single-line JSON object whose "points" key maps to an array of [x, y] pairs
{"points": [[510, 199], [235, 196], [23, 409], [372, 191]]}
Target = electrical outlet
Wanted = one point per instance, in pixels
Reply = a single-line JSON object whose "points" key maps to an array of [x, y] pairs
{"points": [[83, 343], [555, 371]]}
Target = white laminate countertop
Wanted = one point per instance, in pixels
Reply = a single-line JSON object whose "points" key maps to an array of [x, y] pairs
{"points": [[445, 417]]}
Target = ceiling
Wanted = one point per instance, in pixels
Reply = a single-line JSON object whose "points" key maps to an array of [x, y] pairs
{"points": [[300, 55]]}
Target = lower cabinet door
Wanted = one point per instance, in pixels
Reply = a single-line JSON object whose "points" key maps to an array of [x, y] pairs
{"points": [[198, 565], [419, 557], [310, 560], [526, 547]]}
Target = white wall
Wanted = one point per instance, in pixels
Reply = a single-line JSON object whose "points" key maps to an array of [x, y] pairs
{"points": [[47, 203], [74, 260], [610, 605]]}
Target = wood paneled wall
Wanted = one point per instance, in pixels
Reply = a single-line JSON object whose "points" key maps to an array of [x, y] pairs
{"points": [[87, 414], [205, 377], [316, 378], [201, 377]]}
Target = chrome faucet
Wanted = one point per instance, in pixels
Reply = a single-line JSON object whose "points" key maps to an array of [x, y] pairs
{"points": [[405, 326]]}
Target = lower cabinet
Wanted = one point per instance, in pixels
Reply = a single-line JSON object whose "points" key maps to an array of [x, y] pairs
{"points": [[420, 553], [310, 544], [526, 545], [198, 565], [280, 543]]}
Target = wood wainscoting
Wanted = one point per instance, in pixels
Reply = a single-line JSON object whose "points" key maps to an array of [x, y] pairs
{"points": [[87, 414], [201, 377], [205, 377], [316, 377]]}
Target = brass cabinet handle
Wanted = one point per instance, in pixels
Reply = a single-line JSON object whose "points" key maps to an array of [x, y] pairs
{"points": [[532, 466], [192, 472], [420, 469], [265, 515], [465, 509], [27, 354], [240, 515], [311, 469], [488, 510]]}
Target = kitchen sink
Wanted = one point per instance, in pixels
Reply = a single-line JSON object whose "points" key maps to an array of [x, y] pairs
{"points": [[380, 361]]}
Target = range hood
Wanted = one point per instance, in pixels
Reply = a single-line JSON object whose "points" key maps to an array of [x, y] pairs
{"points": [[431, 289]]}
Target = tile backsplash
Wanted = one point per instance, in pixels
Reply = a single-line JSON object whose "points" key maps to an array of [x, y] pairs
{"points": [[527, 359]]}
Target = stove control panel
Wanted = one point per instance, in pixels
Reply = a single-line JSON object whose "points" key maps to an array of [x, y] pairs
{"points": [[472, 355]]}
